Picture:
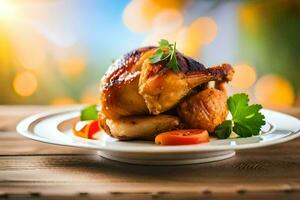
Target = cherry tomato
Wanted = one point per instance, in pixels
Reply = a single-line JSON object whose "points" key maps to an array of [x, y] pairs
{"points": [[86, 129], [182, 137]]}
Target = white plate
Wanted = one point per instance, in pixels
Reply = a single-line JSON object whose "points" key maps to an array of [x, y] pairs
{"points": [[55, 128]]}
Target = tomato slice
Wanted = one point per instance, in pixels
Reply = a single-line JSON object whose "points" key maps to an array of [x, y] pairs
{"points": [[93, 129], [182, 137], [86, 129]]}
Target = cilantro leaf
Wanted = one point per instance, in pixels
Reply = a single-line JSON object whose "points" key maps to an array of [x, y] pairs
{"points": [[89, 113], [249, 122], [246, 119], [236, 102], [166, 51], [224, 130]]}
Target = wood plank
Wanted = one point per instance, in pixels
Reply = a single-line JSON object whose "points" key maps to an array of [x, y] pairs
{"points": [[90, 174]]}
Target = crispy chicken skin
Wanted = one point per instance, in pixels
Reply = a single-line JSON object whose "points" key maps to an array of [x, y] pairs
{"points": [[204, 110], [133, 88]]}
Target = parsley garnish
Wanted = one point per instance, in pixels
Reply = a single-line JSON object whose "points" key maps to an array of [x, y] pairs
{"points": [[89, 113], [246, 119], [166, 51]]}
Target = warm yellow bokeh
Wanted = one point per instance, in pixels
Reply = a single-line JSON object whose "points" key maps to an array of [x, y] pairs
{"points": [[7, 10], [139, 15], [274, 91], [249, 16], [244, 76], [25, 83], [185, 43], [167, 21], [191, 39], [173, 4], [72, 65], [153, 38], [61, 101], [29, 47], [90, 95], [203, 30]]}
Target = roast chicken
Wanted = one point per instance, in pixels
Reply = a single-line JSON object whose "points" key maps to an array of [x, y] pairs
{"points": [[139, 99]]}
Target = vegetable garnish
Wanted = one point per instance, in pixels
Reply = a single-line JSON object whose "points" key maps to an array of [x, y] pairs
{"points": [[246, 119], [182, 137], [86, 129], [166, 51], [89, 113], [88, 126]]}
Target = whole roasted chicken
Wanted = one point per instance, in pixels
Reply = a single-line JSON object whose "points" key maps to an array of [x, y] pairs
{"points": [[139, 99]]}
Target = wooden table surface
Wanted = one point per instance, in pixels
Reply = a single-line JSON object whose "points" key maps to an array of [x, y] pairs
{"points": [[33, 170]]}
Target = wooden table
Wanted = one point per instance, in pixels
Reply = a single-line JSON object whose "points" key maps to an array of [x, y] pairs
{"points": [[34, 170]]}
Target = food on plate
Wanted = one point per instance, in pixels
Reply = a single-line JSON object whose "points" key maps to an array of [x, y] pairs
{"points": [[157, 93], [143, 127], [148, 84], [182, 137], [88, 125], [86, 129], [206, 109], [246, 119]]}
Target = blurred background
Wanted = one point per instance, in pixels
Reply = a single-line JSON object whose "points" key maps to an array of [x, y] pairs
{"points": [[55, 51]]}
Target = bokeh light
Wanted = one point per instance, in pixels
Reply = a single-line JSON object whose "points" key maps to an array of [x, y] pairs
{"points": [[248, 15], [191, 39], [167, 21], [72, 66], [153, 38], [67, 53], [185, 43], [25, 83], [244, 76], [138, 15], [63, 100], [7, 10], [274, 91], [90, 95], [203, 30], [30, 46]]}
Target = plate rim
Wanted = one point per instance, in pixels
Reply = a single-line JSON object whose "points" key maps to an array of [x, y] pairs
{"points": [[25, 124]]}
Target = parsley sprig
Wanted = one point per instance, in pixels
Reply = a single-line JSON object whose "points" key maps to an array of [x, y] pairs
{"points": [[246, 119], [89, 113], [166, 51]]}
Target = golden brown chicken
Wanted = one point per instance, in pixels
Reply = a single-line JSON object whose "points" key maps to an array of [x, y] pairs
{"points": [[133, 88], [204, 110]]}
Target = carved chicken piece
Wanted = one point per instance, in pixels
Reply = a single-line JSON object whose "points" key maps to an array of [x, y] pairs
{"points": [[119, 86], [133, 86], [205, 110], [163, 88], [142, 127]]}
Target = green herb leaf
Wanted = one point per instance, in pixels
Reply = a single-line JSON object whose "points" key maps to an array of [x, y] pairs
{"points": [[164, 43], [89, 113], [166, 51], [237, 102], [246, 120], [224, 130]]}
